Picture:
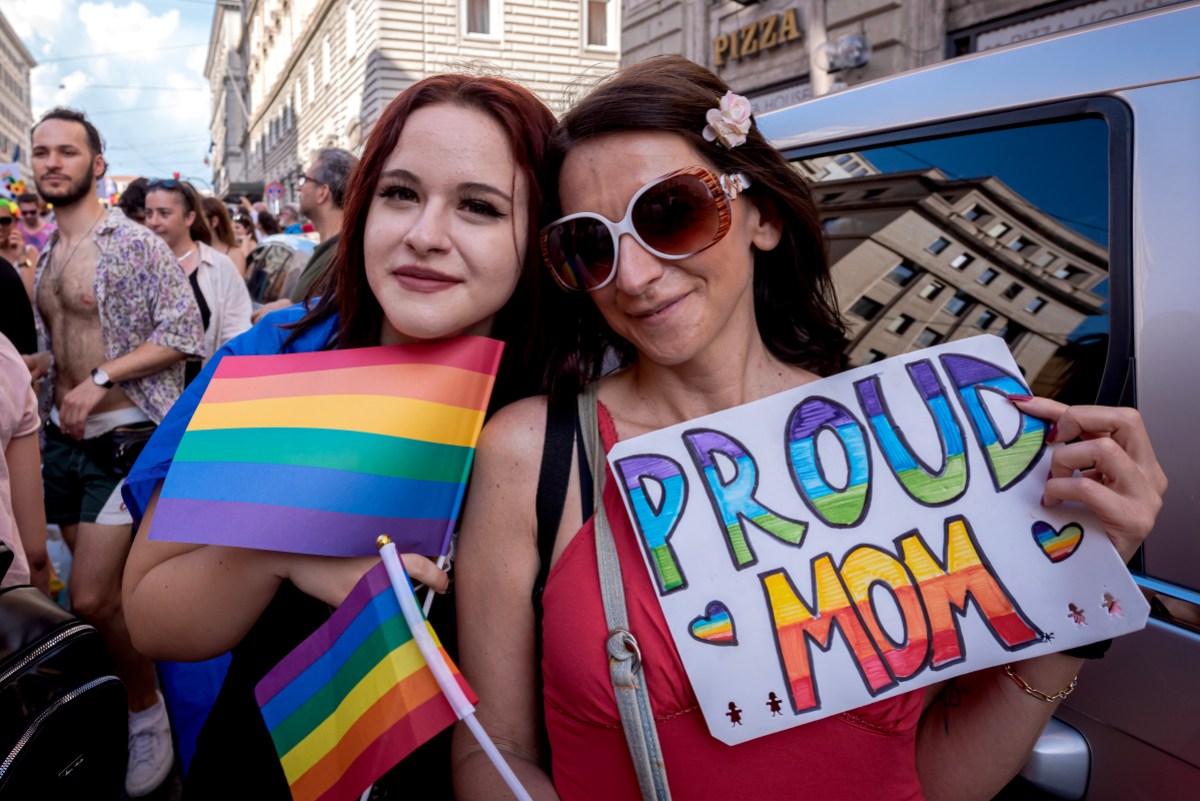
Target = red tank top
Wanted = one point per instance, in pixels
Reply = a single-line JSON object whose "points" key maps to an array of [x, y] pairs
{"points": [[867, 753]]}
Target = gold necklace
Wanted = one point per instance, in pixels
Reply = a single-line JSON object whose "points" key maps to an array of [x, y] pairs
{"points": [[55, 274]]}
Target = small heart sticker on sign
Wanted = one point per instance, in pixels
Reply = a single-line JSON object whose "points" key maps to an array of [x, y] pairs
{"points": [[715, 626], [1057, 545]]}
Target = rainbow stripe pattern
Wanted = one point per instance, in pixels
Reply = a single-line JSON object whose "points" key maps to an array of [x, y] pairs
{"points": [[1008, 461], [322, 452], [923, 483], [715, 626], [837, 507], [353, 699], [1057, 545]]}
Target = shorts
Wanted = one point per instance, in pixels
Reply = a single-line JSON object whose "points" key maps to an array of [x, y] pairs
{"points": [[79, 488]]}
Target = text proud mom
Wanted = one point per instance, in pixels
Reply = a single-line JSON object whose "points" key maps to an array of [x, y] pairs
{"points": [[811, 519]]}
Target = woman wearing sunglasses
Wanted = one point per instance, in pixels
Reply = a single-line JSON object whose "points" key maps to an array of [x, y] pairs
{"points": [[435, 243], [175, 212], [692, 258], [13, 248]]}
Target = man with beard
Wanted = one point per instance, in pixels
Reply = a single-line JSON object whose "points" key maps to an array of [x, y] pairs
{"points": [[119, 317]]}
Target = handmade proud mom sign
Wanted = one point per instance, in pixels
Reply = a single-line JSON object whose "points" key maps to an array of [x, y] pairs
{"points": [[865, 535]]}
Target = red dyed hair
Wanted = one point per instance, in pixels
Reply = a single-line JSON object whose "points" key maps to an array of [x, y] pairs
{"points": [[344, 290]]}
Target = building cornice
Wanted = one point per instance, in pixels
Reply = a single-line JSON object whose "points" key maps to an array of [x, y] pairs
{"points": [[301, 45], [16, 40]]}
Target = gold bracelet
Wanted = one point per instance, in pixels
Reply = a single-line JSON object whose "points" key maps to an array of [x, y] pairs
{"points": [[1036, 693]]}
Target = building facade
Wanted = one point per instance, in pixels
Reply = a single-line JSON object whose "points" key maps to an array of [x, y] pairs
{"points": [[919, 258], [16, 112], [318, 73], [782, 52], [225, 71]]}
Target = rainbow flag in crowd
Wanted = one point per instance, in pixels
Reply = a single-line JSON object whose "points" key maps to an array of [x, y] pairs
{"points": [[322, 452], [354, 698]]}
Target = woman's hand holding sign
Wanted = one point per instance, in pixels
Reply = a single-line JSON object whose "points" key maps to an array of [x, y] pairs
{"points": [[1108, 465]]}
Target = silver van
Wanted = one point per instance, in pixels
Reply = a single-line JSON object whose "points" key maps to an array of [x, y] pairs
{"points": [[1049, 192]]}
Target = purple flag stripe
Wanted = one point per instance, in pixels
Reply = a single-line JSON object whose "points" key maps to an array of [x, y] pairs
{"points": [[286, 528], [373, 582]]}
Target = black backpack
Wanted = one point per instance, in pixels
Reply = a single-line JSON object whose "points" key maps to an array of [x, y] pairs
{"points": [[64, 721]]}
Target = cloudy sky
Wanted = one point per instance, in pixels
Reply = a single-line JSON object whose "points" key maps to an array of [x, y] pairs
{"points": [[135, 66]]}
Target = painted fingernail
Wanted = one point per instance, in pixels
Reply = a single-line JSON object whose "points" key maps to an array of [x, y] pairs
{"points": [[1018, 397], [1052, 432]]}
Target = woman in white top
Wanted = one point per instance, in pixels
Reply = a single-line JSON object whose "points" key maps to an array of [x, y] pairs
{"points": [[174, 212]]}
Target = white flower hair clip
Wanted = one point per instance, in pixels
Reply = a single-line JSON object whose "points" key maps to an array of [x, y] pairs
{"points": [[729, 122]]}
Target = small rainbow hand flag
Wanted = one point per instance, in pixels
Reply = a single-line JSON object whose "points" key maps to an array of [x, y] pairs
{"points": [[354, 698], [319, 452]]}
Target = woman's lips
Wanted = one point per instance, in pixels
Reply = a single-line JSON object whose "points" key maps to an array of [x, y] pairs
{"points": [[423, 279], [656, 312]]}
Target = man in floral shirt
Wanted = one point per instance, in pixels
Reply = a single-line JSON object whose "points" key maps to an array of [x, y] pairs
{"points": [[120, 317]]}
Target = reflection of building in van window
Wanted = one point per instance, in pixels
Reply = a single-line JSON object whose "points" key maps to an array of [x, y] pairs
{"points": [[835, 168], [919, 259]]}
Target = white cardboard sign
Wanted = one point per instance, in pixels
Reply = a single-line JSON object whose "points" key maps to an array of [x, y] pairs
{"points": [[865, 535]]}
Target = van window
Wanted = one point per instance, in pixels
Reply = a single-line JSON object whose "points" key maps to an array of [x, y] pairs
{"points": [[1011, 201]]}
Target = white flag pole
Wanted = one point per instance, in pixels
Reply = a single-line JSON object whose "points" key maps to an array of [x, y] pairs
{"points": [[459, 702]]}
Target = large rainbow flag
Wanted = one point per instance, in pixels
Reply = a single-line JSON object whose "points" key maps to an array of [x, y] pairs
{"points": [[354, 698], [322, 452]]}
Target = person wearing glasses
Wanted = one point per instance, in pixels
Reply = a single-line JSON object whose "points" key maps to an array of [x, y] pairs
{"points": [[119, 318], [14, 246], [224, 239], [175, 212], [322, 191], [437, 242], [712, 290], [34, 228]]}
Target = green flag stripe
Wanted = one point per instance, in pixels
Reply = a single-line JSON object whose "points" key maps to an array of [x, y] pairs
{"points": [[387, 637], [355, 451]]}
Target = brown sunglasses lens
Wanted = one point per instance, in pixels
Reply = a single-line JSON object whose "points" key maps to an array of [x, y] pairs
{"points": [[579, 252], [677, 217]]}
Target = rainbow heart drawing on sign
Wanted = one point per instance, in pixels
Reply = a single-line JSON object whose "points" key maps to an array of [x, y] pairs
{"points": [[1057, 545], [715, 626]]}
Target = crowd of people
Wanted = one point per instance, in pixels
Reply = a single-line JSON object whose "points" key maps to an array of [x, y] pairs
{"points": [[649, 251]]}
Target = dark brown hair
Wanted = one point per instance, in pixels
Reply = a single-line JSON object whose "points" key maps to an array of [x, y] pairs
{"points": [[794, 303], [344, 290], [199, 230], [268, 223], [214, 207]]}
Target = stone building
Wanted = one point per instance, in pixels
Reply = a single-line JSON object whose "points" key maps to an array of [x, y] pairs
{"points": [[781, 52], [16, 113], [318, 73]]}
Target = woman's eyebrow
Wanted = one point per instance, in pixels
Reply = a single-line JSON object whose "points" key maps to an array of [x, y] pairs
{"points": [[476, 186]]}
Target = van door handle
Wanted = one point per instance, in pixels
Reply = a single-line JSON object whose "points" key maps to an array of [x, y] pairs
{"points": [[1061, 761]]}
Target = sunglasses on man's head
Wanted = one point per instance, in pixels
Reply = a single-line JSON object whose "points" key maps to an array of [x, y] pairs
{"points": [[163, 183], [673, 217]]}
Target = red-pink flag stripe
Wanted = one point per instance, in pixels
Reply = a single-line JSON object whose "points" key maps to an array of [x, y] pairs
{"points": [[479, 354]]}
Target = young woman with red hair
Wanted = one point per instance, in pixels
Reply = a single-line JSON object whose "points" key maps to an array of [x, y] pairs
{"points": [[439, 225]]}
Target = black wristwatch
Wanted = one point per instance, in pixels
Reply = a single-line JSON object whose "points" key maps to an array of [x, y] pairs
{"points": [[101, 379]]}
